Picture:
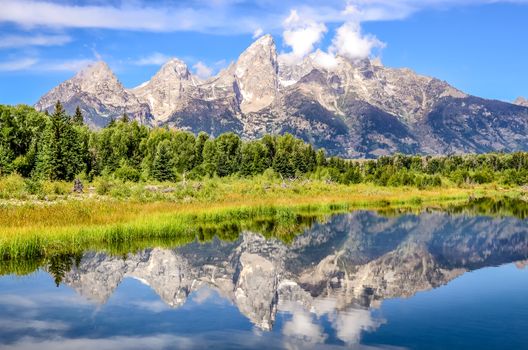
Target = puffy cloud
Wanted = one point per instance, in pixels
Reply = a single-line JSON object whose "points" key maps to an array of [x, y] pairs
{"points": [[301, 34], [325, 60], [302, 327], [350, 324], [202, 70], [351, 43]]}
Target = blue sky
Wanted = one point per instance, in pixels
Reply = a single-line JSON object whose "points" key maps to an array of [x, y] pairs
{"points": [[479, 46]]}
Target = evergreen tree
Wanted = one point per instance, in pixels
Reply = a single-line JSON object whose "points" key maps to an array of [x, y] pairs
{"points": [[283, 165], [78, 118], [199, 147], [162, 168], [125, 118], [111, 123], [60, 157], [321, 158]]}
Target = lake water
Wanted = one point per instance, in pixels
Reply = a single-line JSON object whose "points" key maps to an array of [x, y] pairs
{"points": [[360, 280]]}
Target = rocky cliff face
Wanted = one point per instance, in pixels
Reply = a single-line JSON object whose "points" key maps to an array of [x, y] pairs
{"points": [[165, 91], [353, 108], [353, 261]]}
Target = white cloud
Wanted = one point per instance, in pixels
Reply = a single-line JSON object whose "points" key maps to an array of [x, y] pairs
{"points": [[155, 59], [15, 41], [258, 32], [351, 323], [96, 54], [157, 341], [325, 59], [35, 325], [36, 65], [302, 327], [202, 70], [351, 43], [137, 15], [67, 65], [18, 64], [267, 15], [156, 306], [301, 34]]}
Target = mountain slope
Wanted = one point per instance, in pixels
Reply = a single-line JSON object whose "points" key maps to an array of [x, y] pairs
{"points": [[99, 94], [352, 108]]}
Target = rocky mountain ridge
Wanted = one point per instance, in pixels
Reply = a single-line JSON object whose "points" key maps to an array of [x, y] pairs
{"points": [[353, 108]]}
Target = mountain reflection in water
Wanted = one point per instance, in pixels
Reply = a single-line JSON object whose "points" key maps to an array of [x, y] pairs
{"points": [[339, 271]]}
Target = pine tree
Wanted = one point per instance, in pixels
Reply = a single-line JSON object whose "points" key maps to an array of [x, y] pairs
{"points": [[125, 118], [283, 165], [111, 123], [78, 118], [60, 156], [162, 168], [198, 148]]}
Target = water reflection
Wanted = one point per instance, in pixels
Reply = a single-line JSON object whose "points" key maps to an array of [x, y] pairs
{"points": [[354, 261], [324, 287]]}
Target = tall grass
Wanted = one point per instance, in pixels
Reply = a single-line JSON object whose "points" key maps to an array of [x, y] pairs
{"points": [[21, 253], [175, 214]]}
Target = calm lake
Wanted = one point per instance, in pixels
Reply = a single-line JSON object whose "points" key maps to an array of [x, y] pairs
{"points": [[362, 280]]}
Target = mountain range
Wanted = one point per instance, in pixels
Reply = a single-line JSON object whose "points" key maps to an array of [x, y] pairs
{"points": [[352, 108]]}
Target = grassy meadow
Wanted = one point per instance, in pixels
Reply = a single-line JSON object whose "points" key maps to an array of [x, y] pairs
{"points": [[125, 216]]}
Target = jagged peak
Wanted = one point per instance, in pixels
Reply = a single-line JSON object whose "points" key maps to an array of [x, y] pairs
{"points": [[174, 68], [177, 65], [265, 40], [521, 101], [96, 70], [263, 44]]}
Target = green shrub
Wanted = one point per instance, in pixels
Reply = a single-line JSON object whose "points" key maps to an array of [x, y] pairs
{"points": [[127, 173], [12, 186], [482, 176], [103, 186], [426, 181], [121, 190], [351, 176], [34, 186]]}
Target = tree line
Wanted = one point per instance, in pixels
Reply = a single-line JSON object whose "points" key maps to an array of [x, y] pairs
{"points": [[61, 147]]}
